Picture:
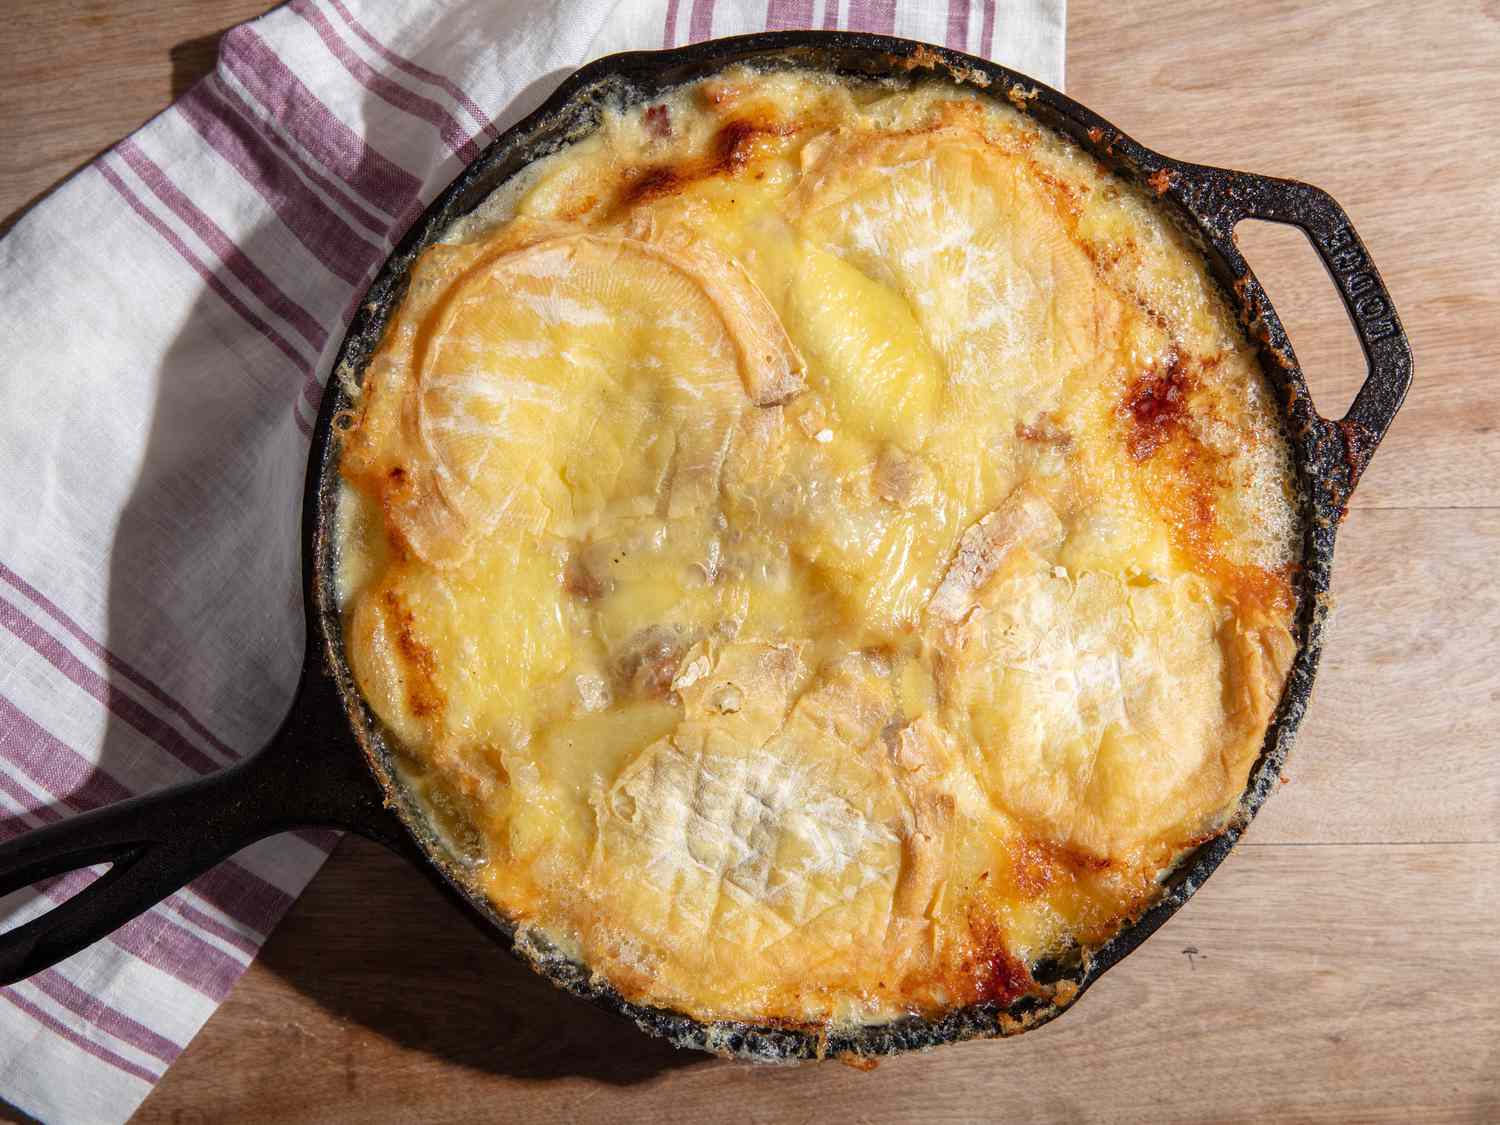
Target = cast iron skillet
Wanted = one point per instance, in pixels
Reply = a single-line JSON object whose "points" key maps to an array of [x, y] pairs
{"points": [[328, 764]]}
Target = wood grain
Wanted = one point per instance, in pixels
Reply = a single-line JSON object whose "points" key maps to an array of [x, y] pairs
{"points": [[1400, 741], [1313, 994], [77, 75], [1346, 964]]}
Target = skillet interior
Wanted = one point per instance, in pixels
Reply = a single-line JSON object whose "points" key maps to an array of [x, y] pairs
{"points": [[1325, 475]]}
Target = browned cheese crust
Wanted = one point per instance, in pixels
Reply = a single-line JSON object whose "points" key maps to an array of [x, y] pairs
{"points": [[820, 548]]}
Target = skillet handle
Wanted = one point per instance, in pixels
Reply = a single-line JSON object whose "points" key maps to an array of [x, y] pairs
{"points": [[308, 774], [1226, 198]]}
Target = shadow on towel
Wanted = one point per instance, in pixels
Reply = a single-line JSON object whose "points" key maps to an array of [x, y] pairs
{"points": [[209, 545]]}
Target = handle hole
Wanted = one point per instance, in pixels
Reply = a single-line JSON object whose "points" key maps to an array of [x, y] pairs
{"points": [[1308, 304], [32, 901]]}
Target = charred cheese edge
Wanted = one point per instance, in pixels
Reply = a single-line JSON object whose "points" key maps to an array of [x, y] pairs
{"points": [[821, 547]]}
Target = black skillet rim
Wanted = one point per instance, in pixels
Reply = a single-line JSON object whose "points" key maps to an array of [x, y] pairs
{"points": [[1327, 472]]}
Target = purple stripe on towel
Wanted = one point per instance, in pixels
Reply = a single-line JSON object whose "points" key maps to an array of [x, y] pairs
{"points": [[701, 26], [213, 236], [958, 25], [417, 70], [223, 291], [82, 1042], [125, 707], [114, 662], [319, 228], [424, 109], [878, 16], [268, 130], [313, 126], [782, 15], [63, 992], [669, 30]]}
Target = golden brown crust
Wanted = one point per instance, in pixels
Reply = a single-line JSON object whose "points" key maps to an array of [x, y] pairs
{"points": [[827, 544]]}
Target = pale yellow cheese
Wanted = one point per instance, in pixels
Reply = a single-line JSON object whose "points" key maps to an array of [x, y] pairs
{"points": [[825, 545]]}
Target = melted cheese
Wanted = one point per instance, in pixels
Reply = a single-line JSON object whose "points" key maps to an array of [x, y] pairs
{"points": [[825, 546]]}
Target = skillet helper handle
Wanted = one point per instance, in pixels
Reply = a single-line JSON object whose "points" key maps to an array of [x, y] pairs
{"points": [[158, 843], [1229, 197]]}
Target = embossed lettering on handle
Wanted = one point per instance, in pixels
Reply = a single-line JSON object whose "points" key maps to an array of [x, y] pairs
{"points": [[1352, 271], [1220, 199]]}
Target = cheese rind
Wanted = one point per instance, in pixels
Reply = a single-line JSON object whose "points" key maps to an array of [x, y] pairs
{"points": [[827, 546]]}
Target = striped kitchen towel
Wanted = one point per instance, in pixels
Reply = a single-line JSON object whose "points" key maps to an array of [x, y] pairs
{"points": [[169, 317]]}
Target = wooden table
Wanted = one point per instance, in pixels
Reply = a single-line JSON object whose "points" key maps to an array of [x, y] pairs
{"points": [[1343, 965]]}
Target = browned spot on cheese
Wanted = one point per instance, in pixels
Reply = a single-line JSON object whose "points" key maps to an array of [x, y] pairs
{"points": [[993, 973], [581, 582], [731, 150], [1044, 431], [736, 141], [1258, 586], [578, 208], [648, 661], [1003, 977], [393, 491], [1104, 257], [1036, 864], [1184, 478], [1067, 197], [653, 183], [1156, 406], [1190, 506], [423, 695], [658, 121], [1160, 181]]}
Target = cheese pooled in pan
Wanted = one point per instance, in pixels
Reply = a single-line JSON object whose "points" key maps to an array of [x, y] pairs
{"points": [[823, 548]]}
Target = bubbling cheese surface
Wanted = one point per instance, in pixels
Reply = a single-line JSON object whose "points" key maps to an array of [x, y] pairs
{"points": [[822, 547]]}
